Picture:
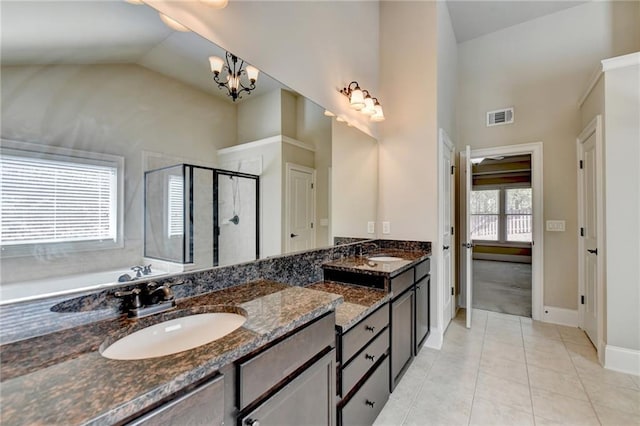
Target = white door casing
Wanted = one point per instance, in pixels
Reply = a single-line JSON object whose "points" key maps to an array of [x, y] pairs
{"points": [[590, 234], [537, 249], [300, 208], [446, 201], [467, 251]]}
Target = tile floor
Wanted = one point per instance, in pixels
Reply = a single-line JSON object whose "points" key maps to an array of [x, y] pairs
{"points": [[510, 370]]}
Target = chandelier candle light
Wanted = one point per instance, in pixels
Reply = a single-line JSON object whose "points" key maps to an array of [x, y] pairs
{"points": [[234, 71], [361, 100]]}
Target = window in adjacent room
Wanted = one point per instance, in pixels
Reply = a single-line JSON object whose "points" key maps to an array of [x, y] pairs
{"points": [[54, 196], [501, 214]]}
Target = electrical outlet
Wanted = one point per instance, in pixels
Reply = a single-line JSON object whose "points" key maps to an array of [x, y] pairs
{"points": [[371, 227], [555, 225], [386, 227]]}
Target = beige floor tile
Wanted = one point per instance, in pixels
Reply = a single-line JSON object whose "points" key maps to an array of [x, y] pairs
{"points": [[636, 380], [510, 370], [611, 417], [504, 336], [543, 330], [591, 370], [502, 350], [524, 320], [497, 324], [501, 315], [486, 412], [505, 392], [540, 421], [452, 380], [435, 406], [553, 381], [618, 398], [574, 335], [550, 360], [544, 344], [560, 408], [584, 351], [393, 413]]}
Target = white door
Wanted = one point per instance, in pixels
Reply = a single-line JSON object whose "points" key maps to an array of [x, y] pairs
{"points": [[467, 246], [299, 230], [588, 218], [447, 210]]}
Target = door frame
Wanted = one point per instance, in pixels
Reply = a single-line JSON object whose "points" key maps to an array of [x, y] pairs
{"points": [[287, 221], [537, 250], [445, 143], [595, 126]]}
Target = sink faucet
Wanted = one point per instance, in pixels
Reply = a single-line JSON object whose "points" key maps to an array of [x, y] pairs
{"points": [[149, 299]]}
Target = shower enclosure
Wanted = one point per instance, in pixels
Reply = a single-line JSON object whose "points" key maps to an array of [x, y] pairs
{"points": [[200, 216]]}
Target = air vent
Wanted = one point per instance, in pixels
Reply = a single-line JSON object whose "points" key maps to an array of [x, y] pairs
{"points": [[499, 117]]}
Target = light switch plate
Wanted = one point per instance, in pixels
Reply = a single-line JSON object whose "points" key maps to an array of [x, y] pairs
{"points": [[555, 225], [386, 227], [371, 227]]}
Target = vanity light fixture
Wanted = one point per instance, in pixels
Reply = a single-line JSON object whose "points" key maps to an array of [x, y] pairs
{"points": [[362, 101], [234, 71]]}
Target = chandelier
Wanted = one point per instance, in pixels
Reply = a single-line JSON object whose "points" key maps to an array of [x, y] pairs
{"points": [[232, 67]]}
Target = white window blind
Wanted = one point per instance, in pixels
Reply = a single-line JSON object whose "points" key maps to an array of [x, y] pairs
{"points": [[175, 206], [47, 199]]}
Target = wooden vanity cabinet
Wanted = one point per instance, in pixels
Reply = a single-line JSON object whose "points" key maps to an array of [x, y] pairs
{"points": [[291, 380], [204, 405], [363, 369], [423, 320], [402, 334]]}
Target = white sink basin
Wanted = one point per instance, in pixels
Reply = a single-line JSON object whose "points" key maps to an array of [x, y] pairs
{"points": [[173, 336], [384, 259]]}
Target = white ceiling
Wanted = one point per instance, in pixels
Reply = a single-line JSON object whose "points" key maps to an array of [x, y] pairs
{"points": [[473, 19], [108, 32]]}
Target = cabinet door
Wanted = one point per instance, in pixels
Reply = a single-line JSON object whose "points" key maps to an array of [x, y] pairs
{"points": [[202, 406], [422, 311], [402, 318], [309, 399]]}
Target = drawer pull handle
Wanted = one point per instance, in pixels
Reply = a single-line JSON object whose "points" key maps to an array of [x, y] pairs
{"points": [[370, 328], [371, 357], [370, 403]]}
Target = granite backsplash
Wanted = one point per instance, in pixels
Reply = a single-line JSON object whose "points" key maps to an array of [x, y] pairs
{"points": [[29, 319]]}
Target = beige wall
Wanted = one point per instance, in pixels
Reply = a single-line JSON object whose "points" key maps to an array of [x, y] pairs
{"points": [[408, 140], [86, 108], [354, 181], [622, 195], [542, 68], [259, 117], [314, 128]]}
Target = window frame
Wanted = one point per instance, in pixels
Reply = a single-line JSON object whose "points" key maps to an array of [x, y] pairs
{"points": [[47, 152], [502, 215]]}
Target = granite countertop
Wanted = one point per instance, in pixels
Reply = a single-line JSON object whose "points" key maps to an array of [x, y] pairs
{"points": [[358, 301], [61, 378], [362, 265]]}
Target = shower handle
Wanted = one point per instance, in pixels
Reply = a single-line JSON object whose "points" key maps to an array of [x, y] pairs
{"points": [[293, 235]]}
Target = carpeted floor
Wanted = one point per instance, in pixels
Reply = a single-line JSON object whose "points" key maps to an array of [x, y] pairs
{"points": [[502, 287]]}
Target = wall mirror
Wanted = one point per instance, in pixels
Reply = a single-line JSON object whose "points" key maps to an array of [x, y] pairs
{"points": [[104, 99]]}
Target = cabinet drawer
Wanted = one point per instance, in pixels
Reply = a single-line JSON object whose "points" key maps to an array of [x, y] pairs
{"points": [[367, 402], [308, 399], [363, 332], [402, 282], [357, 368], [422, 269], [263, 371], [202, 406]]}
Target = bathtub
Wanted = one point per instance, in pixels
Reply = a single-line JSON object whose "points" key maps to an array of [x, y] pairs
{"points": [[56, 286]]}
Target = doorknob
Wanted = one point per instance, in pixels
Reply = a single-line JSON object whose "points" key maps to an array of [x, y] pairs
{"points": [[594, 251], [445, 247], [293, 235]]}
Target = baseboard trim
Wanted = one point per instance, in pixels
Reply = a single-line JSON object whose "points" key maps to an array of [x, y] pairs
{"points": [[622, 359], [562, 316], [435, 339]]}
